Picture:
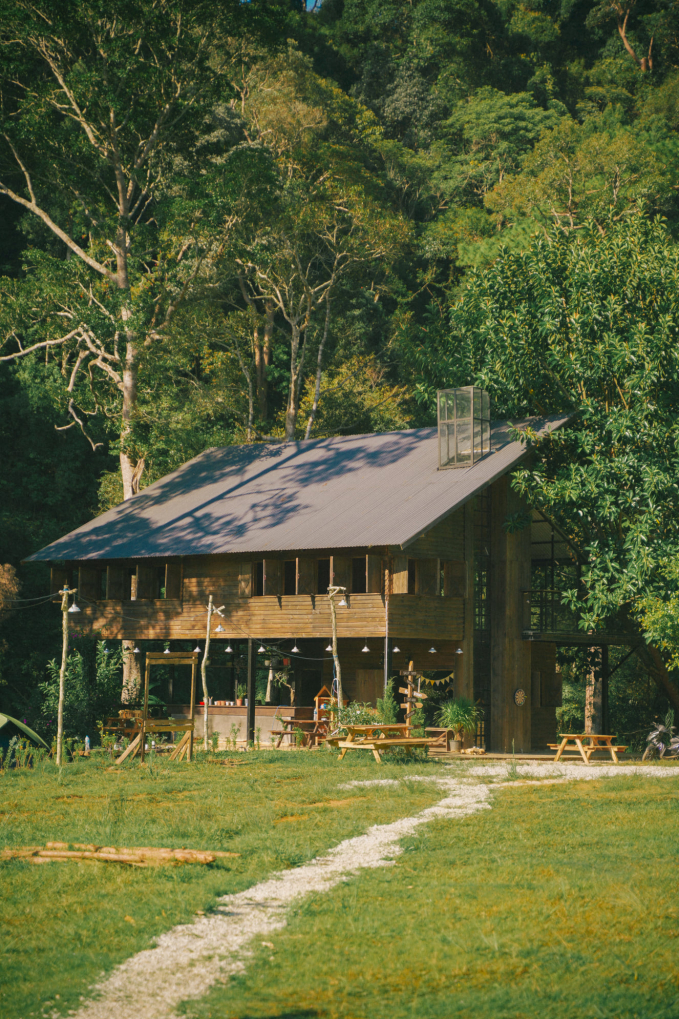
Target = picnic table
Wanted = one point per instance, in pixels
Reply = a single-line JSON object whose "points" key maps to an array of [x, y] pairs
{"points": [[381, 737], [312, 730], [586, 743]]}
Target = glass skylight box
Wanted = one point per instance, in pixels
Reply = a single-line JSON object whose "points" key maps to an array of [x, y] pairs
{"points": [[464, 426]]}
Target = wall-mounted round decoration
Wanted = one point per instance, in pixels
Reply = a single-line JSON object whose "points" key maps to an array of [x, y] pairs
{"points": [[520, 697]]}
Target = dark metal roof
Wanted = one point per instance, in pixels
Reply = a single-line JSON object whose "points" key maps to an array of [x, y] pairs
{"points": [[353, 491]]}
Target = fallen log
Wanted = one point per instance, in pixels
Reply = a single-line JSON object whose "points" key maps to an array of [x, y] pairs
{"points": [[140, 857]]}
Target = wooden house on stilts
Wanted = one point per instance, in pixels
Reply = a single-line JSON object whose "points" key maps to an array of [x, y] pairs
{"points": [[411, 523]]}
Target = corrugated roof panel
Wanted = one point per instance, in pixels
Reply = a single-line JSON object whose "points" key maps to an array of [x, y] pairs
{"points": [[352, 491]]}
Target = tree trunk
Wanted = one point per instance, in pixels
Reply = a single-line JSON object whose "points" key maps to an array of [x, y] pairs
{"points": [[593, 700], [292, 410], [132, 674], [319, 363], [652, 661], [263, 351]]}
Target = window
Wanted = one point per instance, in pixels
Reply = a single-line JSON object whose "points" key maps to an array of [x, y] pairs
{"points": [[290, 576], [358, 575], [323, 576], [258, 577], [160, 582]]}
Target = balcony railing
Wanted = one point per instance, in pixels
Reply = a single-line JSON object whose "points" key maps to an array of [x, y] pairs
{"points": [[544, 612]]}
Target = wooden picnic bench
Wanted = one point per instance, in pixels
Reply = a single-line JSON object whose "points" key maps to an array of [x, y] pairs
{"points": [[586, 744], [377, 738], [312, 730]]}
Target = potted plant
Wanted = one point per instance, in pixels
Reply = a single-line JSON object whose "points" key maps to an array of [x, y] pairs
{"points": [[240, 694], [462, 716]]}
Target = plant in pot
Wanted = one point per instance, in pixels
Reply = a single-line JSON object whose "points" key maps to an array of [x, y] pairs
{"points": [[241, 690], [462, 716]]}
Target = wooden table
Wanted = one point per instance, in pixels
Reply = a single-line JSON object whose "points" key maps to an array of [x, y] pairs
{"points": [[290, 724], [597, 741], [379, 738]]}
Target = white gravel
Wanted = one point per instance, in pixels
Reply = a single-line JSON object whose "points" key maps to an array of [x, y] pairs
{"points": [[188, 960]]}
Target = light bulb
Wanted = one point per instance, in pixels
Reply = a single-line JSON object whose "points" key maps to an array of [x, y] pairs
{"points": [[295, 649], [228, 649], [343, 603], [432, 650], [366, 648], [459, 651], [395, 650], [73, 608], [220, 629], [329, 647], [261, 649]]}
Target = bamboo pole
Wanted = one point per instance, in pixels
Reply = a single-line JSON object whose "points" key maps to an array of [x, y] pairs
{"points": [[332, 592], [62, 672], [203, 670]]}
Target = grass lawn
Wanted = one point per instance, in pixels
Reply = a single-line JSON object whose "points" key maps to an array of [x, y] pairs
{"points": [[62, 924], [559, 900]]}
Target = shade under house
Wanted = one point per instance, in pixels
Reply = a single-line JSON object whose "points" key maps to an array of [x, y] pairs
{"points": [[464, 426]]}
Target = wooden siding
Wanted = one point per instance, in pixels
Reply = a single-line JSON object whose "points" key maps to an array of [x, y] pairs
{"points": [[444, 541], [295, 616]]}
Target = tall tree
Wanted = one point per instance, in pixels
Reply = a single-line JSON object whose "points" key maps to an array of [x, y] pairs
{"points": [[114, 143], [588, 324]]}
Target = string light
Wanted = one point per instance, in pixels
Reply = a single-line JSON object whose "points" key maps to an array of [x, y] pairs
{"points": [[329, 647], [220, 629], [195, 650], [366, 648], [228, 650], [73, 608], [343, 603], [137, 651], [395, 650], [459, 651], [167, 651], [261, 650], [432, 650], [295, 649]]}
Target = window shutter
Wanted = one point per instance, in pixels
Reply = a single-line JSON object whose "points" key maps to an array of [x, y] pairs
{"points": [[146, 583], [455, 579], [306, 576], [273, 583], [58, 579], [400, 575], [374, 574], [428, 576], [173, 580], [245, 580], [115, 583], [340, 571], [88, 583]]}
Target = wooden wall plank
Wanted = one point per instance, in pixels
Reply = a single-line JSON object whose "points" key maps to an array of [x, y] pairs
{"points": [[444, 541]]}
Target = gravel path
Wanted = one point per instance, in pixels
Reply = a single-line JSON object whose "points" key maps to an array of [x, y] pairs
{"points": [[188, 960]]}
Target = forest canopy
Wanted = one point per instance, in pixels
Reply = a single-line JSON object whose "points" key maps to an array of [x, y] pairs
{"points": [[275, 220]]}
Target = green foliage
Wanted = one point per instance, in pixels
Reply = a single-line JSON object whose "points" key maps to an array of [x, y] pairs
{"points": [[387, 706], [91, 689], [459, 714]]}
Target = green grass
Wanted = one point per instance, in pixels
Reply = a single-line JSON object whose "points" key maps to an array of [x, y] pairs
{"points": [[561, 901], [62, 924]]}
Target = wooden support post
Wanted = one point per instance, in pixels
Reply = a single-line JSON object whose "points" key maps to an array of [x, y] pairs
{"points": [[252, 676], [410, 677], [388, 658], [605, 724], [145, 713], [192, 708]]}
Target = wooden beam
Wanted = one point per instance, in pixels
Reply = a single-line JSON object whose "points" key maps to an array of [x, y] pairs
{"points": [[252, 675]]}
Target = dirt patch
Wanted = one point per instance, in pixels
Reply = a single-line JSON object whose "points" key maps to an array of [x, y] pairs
{"points": [[292, 817]]}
